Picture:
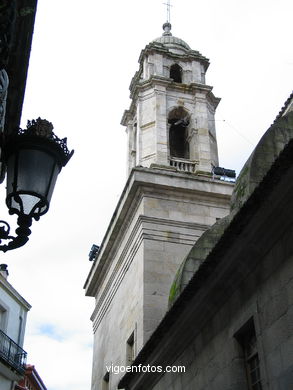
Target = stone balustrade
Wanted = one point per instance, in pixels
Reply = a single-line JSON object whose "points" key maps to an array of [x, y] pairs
{"points": [[183, 165]]}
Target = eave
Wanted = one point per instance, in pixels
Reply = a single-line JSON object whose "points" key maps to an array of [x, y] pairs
{"points": [[18, 59], [9, 289]]}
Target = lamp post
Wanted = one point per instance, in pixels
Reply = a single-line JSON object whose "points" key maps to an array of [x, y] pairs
{"points": [[33, 158]]}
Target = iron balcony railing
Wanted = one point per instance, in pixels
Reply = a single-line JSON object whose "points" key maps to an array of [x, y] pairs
{"points": [[12, 354]]}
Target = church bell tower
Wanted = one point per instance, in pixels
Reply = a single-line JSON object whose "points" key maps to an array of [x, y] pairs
{"points": [[170, 198], [170, 122]]}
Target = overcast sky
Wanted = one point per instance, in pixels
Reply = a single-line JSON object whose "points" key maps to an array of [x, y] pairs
{"points": [[83, 57]]}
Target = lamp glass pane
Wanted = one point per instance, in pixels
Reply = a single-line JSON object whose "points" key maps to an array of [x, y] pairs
{"points": [[31, 182], [55, 174], [28, 202], [34, 171]]}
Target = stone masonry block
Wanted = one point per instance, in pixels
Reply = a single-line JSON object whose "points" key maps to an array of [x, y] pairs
{"points": [[275, 308], [289, 289], [287, 353], [285, 381], [275, 335], [274, 364], [289, 317]]}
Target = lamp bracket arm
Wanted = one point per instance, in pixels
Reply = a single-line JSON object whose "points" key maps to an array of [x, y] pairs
{"points": [[23, 231]]}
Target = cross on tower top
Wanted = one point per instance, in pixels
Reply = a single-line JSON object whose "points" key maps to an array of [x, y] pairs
{"points": [[168, 5]]}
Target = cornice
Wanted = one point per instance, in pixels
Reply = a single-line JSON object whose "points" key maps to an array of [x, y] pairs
{"points": [[213, 100], [140, 182], [169, 84], [189, 55], [155, 81], [126, 117], [143, 85], [6, 286]]}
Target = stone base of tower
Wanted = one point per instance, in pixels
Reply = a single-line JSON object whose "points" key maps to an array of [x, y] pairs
{"points": [[159, 217]]}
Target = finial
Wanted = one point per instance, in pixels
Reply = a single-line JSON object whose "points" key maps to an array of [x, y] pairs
{"points": [[40, 127], [167, 26]]}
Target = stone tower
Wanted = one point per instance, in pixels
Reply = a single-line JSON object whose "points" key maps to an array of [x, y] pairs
{"points": [[171, 122], [169, 200]]}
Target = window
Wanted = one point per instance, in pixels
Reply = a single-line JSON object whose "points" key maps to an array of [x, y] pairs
{"points": [[130, 350], [178, 120], [248, 341], [252, 363], [3, 318], [176, 73], [106, 381]]}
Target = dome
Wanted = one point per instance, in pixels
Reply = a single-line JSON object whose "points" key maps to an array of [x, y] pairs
{"points": [[196, 257], [167, 39], [171, 41]]}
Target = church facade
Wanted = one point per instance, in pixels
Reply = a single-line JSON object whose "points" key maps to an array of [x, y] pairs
{"points": [[171, 197]]}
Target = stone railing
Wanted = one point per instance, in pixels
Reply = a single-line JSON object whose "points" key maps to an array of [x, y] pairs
{"points": [[183, 165]]}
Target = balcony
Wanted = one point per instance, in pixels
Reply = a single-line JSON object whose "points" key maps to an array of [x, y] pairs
{"points": [[11, 354]]}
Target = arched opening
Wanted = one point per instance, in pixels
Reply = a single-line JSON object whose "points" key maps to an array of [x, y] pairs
{"points": [[178, 133], [176, 73]]}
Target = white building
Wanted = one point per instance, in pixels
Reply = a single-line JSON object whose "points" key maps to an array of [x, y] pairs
{"points": [[13, 313]]}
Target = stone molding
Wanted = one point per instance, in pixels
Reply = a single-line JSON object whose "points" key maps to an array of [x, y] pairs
{"points": [[140, 232], [147, 182], [155, 80], [190, 55], [169, 84]]}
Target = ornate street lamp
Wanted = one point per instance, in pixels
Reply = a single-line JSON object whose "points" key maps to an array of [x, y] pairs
{"points": [[33, 158]]}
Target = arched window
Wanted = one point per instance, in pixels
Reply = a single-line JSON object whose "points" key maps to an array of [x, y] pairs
{"points": [[176, 73], [178, 133]]}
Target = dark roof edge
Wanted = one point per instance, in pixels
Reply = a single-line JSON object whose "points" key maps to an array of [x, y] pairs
{"points": [[284, 108], [18, 61]]}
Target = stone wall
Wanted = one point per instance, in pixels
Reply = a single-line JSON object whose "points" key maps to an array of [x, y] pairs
{"points": [[214, 358], [157, 222]]}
